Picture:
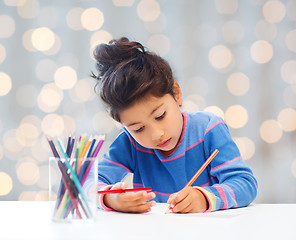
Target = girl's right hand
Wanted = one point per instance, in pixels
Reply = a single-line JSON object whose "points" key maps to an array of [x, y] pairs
{"points": [[136, 202]]}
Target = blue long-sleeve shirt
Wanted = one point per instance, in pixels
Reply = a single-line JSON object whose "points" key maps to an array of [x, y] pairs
{"points": [[226, 182]]}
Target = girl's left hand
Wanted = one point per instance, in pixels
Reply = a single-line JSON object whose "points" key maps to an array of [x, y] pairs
{"points": [[188, 200]]}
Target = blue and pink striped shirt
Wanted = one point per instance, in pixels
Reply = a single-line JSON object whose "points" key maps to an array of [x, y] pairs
{"points": [[226, 183]]}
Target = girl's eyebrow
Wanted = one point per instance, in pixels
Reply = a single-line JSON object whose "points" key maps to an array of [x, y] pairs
{"points": [[134, 123]]}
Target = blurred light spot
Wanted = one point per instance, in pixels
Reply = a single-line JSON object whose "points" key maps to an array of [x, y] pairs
{"points": [[190, 106], [287, 119], [53, 125], [293, 168], [238, 84], [7, 26], [156, 26], [68, 59], [29, 10], [65, 77], [33, 120], [28, 172], [288, 71], [92, 19], [45, 70], [44, 181], [226, 6], [83, 91], [220, 56], [2, 53], [270, 131], [5, 84], [27, 134], [55, 48], [50, 98], [69, 126], [236, 116], [6, 184], [261, 51], [10, 142], [26, 95], [98, 38], [27, 41], [123, 3], [73, 18], [265, 30], [27, 196], [216, 110], [246, 147], [14, 3], [233, 32], [291, 9], [103, 123], [48, 17], [148, 10], [194, 102], [42, 196], [205, 35], [43, 39], [274, 11], [159, 43], [290, 40], [41, 152]]}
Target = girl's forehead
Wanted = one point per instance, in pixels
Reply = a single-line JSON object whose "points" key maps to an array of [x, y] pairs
{"points": [[145, 107]]}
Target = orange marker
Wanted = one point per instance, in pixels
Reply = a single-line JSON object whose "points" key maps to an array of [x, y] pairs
{"points": [[196, 175]]}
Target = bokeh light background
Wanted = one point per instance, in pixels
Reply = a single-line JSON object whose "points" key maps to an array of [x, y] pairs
{"points": [[232, 57]]}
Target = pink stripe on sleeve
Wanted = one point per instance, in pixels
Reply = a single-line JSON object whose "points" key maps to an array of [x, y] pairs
{"points": [[138, 184], [118, 164], [222, 195], [226, 163], [232, 195], [160, 193], [214, 125]]}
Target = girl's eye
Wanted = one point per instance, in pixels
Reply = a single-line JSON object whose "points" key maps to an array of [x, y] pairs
{"points": [[139, 130], [161, 117]]}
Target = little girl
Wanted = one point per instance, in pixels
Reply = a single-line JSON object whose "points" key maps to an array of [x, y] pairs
{"points": [[160, 144]]}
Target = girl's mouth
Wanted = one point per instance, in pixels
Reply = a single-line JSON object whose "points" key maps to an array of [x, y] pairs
{"points": [[164, 143]]}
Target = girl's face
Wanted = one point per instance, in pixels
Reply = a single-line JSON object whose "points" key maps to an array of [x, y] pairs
{"points": [[155, 122]]}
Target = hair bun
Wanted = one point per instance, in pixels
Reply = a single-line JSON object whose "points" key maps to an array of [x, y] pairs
{"points": [[116, 52]]}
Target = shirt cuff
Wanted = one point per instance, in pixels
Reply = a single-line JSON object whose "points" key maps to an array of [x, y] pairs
{"points": [[101, 203], [211, 198]]}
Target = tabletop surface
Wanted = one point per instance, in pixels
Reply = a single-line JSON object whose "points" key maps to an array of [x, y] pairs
{"points": [[32, 220]]}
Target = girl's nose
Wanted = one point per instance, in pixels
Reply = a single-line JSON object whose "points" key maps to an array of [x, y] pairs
{"points": [[157, 133]]}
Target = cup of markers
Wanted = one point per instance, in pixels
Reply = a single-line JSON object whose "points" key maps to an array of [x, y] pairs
{"points": [[73, 175]]}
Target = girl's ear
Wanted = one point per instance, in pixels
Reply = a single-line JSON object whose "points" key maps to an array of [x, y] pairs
{"points": [[177, 93]]}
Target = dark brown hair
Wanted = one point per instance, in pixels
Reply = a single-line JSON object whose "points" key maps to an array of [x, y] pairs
{"points": [[127, 72]]}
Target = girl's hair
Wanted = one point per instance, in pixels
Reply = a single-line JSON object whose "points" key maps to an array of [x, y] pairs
{"points": [[127, 73]]}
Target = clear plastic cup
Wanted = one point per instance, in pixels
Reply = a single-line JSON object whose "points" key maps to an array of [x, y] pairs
{"points": [[73, 186]]}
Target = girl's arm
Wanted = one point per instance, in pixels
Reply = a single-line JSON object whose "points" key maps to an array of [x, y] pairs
{"points": [[233, 182]]}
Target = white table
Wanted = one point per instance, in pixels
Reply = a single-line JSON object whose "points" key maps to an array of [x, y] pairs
{"points": [[31, 220]]}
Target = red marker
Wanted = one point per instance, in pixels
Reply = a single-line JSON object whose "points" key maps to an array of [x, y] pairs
{"points": [[125, 190]]}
